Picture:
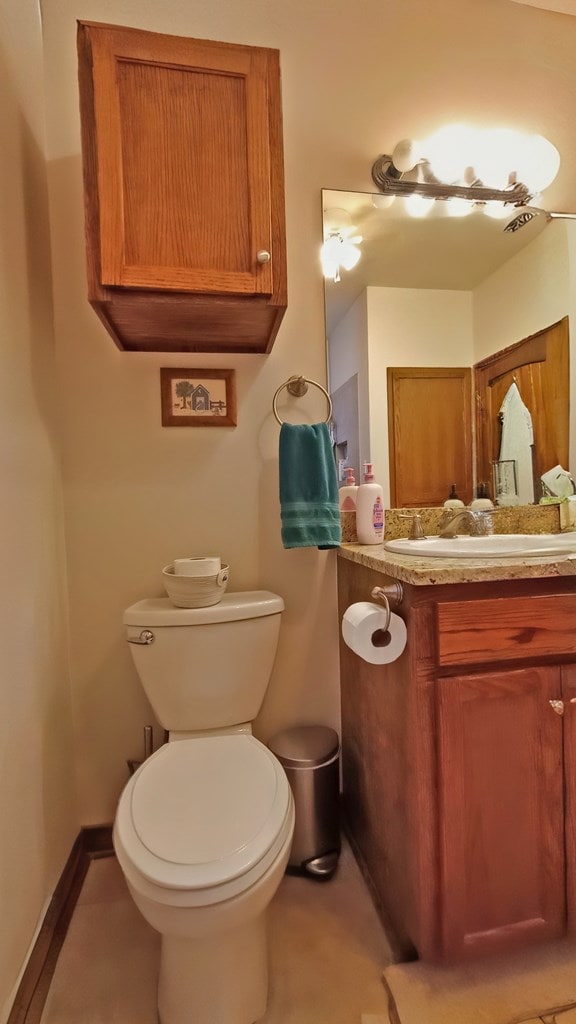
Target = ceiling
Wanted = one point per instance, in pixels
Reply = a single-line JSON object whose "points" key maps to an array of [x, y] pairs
{"points": [[399, 251]]}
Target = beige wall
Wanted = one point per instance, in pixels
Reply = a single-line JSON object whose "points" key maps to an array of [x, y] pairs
{"points": [[348, 357], [411, 327], [37, 808], [527, 294], [355, 80]]}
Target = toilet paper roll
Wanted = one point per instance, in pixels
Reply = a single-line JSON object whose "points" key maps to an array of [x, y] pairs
{"points": [[363, 631], [203, 566]]}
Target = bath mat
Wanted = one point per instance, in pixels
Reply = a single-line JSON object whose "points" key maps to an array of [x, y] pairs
{"points": [[534, 986]]}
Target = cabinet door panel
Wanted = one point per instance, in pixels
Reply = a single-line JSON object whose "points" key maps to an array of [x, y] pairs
{"points": [[501, 810], [183, 163]]}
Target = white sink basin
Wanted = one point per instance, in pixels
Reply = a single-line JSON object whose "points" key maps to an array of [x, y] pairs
{"points": [[511, 545]]}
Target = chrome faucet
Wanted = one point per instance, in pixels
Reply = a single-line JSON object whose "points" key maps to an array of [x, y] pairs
{"points": [[464, 520]]}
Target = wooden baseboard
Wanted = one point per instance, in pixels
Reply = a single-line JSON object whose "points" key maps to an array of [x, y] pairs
{"points": [[31, 996]]}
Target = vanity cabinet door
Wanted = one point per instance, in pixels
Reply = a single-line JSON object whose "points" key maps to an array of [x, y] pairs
{"points": [[569, 696], [183, 180], [502, 874]]}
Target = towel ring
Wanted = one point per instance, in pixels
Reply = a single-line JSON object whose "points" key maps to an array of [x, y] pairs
{"points": [[298, 386]]}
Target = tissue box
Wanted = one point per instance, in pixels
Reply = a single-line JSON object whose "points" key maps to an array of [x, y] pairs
{"points": [[568, 514]]}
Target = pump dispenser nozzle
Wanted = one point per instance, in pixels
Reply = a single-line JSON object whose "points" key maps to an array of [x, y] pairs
{"points": [[368, 474]]}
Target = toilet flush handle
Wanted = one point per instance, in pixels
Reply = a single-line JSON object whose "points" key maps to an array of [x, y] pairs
{"points": [[146, 637]]}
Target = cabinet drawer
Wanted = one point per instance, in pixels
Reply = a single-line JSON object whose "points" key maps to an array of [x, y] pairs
{"points": [[506, 629]]}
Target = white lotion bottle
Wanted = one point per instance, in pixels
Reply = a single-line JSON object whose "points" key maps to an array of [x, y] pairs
{"points": [[369, 509]]}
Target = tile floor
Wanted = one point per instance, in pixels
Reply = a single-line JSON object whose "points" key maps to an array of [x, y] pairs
{"points": [[328, 950]]}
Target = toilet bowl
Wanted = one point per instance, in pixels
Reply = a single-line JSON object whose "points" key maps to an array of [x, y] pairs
{"points": [[203, 829], [202, 834]]}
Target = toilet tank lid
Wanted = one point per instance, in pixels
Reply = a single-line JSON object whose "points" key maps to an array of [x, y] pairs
{"points": [[246, 604]]}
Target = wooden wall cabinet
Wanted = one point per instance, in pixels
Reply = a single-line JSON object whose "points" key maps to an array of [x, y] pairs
{"points": [[184, 190], [459, 765]]}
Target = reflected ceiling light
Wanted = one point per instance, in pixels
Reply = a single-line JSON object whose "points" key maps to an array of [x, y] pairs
{"points": [[498, 211], [480, 166], [459, 207], [381, 202], [418, 206], [340, 249]]}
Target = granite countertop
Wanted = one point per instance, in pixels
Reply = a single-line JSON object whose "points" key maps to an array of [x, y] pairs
{"points": [[425, 571]]}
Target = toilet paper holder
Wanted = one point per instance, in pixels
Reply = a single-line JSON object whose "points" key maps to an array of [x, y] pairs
{"points": [[391, 595]]}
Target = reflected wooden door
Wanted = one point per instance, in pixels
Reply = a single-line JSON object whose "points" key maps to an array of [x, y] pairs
{"points": [[540, 366], [429, 435]]}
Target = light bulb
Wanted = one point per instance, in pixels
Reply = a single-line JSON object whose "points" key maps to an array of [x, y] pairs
{"points": [[418, 206], [537, 162], [382, 202], [406, 155], [349, 255], [496, 210], [459, 207], [338, 251], [330, 257], [448, 152], [494, 156]]}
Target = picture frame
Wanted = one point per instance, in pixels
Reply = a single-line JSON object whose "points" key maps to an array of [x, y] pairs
{"points": [[197, 398]]}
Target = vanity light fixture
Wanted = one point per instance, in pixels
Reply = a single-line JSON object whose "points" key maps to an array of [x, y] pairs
{"points": [[469, 167], [340, 249]]}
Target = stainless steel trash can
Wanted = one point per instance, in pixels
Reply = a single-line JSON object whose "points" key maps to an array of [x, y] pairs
{"points": [[310, 755]]}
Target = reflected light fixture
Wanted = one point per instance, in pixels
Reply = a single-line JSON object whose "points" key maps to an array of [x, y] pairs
{"points": [[527, 213], [470, 168], [340, 249]]}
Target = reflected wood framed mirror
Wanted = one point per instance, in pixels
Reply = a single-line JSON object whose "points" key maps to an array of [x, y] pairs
{"points": [[454, 295]]}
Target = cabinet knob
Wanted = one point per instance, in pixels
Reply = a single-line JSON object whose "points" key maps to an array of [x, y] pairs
{"points": [[263, 256], [557, 706]]}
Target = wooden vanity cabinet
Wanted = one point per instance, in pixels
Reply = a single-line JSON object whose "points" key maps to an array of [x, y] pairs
{"points": [[459, 771], [184, 190]]}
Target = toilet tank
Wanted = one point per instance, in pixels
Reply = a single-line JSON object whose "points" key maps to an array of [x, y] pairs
{"points": [[206, 668]]}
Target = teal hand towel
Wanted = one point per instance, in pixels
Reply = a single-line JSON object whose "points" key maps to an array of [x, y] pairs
{"points": [[308, 487]]}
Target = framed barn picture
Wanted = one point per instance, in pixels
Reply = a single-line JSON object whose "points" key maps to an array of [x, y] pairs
{"points": [[198, 398]]}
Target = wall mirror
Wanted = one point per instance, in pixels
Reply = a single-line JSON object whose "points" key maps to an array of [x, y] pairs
{"points": [[444, 294]]}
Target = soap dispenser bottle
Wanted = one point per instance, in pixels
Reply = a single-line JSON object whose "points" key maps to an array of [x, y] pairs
{"points": [[453, 501], [348, 492], [369, 509], [482, 499]]}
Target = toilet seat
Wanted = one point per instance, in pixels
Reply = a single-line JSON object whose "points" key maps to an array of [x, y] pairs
{"points": [[203, 819]]}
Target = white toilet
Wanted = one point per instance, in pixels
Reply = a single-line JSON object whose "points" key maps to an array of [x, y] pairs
{"points": [[203, 828]]}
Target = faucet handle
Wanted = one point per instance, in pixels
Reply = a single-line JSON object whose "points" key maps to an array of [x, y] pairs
{"points": [[416, 531]]}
